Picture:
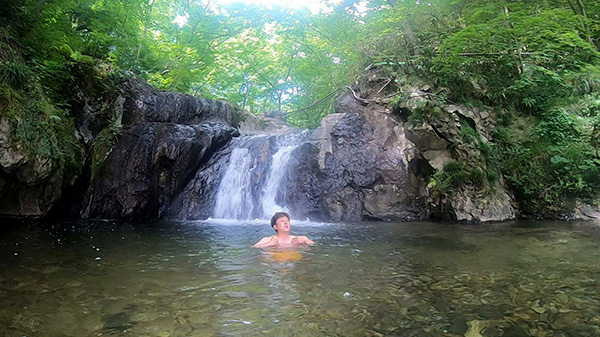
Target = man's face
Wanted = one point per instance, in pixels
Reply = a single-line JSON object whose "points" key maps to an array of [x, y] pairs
{"points": [[282, 224]]}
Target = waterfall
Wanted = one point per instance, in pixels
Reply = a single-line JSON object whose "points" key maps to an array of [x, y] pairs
{"points": [[233, 199], [252, 181], [278, 166]]}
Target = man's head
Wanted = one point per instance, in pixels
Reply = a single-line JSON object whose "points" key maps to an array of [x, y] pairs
{"points": [[277, 216]]}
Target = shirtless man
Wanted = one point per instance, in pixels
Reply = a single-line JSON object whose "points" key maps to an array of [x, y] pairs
{"points": [[281, 224]]}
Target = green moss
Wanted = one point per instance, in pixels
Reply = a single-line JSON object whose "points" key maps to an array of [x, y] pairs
{"points": [[44, 129], [469, 135], [103, 144], [457, 175]]}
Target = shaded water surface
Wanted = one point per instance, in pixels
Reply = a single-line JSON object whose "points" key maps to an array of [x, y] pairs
{"points": [[369, 279]]}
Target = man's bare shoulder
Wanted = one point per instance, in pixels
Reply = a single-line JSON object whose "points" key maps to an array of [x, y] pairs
{"points": [[267, 241]]}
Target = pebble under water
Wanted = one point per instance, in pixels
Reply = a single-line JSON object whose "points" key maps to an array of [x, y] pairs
{"points": [[362, 279]]}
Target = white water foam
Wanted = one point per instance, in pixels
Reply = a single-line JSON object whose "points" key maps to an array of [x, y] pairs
{"points": [[233, 197], [279, 164], [246, 191]]}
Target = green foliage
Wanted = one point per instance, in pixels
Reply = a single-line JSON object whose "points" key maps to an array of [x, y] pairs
{"points": [[469, 135], [455, 175], [517, 59], [44, 130], [418, 111], [533, 62], [38, 125], [15, 74], [585, 81], [549, 162]]}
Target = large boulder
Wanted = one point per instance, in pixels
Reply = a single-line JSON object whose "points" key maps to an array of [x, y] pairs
{"points": [[165, 139], [450, 137], [360, 166], [30, 183], [370, 162], [470, 206]]}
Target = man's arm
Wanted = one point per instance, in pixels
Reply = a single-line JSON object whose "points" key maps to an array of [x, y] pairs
{"points": [[303, 239], [268, 241]]}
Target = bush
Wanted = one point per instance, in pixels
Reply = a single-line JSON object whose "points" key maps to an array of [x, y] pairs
{"points": [[455, 175], [549, 162], [15, 74], [518, 60]]}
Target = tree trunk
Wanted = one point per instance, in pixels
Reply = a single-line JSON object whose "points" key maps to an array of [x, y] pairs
{"points": [[38, 8], [580, 10], [572, 7], [137, 56]]}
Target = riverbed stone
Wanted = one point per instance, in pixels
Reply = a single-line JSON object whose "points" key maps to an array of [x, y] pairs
{"points": [[587, 212]]}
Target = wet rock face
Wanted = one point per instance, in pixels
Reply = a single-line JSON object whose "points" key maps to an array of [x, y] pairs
{"points": [[367, 163], [363, 163], [166, 138], [361, 167], [29, 184], [199, 197], [440, 137]]}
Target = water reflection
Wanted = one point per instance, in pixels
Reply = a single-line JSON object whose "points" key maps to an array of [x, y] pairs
{"points": [[375, 279]]}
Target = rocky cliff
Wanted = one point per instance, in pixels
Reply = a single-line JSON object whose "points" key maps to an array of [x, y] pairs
{"points": [[371, 161], [415, 159], [125, 151], [30, 182], [154, 154], [166, 137], [40, 154], [360, 166]]}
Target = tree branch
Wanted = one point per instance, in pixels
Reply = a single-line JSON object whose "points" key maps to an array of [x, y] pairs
{"points": [[312, 105]]}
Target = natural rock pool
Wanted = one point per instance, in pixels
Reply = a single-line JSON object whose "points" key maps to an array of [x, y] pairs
{"points": [[368, 279]]}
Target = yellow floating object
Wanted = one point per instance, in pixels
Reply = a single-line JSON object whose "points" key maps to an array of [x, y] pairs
{"points": [[286, 256]]}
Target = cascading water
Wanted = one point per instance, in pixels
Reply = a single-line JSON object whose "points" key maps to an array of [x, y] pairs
{"points": [[278, 166], [233, 197], [257, 169]]}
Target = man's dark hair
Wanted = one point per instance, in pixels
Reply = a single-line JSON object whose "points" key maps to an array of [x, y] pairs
{"points": [[276, 216]]}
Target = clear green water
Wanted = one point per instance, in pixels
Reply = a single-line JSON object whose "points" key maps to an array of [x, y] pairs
{"points": [[369, 279]]}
